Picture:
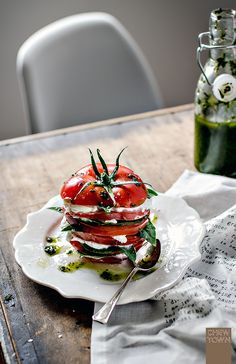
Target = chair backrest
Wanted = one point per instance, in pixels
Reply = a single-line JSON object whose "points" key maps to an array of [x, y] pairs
{"points": [[83, 68]]}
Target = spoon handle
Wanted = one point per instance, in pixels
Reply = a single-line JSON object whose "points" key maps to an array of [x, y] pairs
{"points": [[104, 313]]}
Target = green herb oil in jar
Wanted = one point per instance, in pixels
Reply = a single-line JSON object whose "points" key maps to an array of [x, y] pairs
{"points": [[215, 147], [215, 101]]}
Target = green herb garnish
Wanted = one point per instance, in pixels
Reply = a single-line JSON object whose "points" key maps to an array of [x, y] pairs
{"points": [[130, 253], [51, 239], [70, 251], [69, 227], [151, 192], [52, 249], [8, 298], [56, 208], [149, 233]]}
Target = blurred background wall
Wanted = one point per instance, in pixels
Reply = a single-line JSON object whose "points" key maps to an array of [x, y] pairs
{"points": [[166, 30]]}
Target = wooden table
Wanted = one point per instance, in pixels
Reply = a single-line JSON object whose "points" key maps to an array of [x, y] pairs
{"points": [[37, 324]]}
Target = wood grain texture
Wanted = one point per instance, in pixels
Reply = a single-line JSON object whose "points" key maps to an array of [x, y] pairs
{"points": [[92, 125], [8, 353], [160, 147]]}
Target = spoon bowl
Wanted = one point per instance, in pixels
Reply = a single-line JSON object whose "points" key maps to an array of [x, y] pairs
{"points": [[146, 258]]}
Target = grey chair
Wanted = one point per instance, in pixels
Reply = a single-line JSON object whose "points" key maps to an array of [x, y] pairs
{"points": [[83, 68]]}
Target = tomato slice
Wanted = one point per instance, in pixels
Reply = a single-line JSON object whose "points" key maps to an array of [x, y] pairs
{"points": [[109, 230], [108, 240], [113, 230]]}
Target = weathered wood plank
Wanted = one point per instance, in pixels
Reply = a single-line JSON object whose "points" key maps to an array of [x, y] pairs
{"points": [[8, 354], [96, 124], [13, 312], [32, 169]]}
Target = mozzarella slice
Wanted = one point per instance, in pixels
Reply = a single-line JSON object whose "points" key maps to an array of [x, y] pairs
{"points": [[121, 238], [94, 245], [87, 209]]}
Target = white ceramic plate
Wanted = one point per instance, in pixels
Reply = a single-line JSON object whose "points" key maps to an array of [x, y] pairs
{"points": [[179, 229]]}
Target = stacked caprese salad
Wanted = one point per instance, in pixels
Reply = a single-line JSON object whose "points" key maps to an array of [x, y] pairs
{"points": [[105, 212]]}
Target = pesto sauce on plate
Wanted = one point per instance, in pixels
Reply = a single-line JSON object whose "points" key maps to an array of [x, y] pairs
{"points": [[108, 272], [113, 273], [52, 249]]}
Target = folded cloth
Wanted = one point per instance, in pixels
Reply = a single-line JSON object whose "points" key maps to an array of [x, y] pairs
{"points": [[171, 327]]}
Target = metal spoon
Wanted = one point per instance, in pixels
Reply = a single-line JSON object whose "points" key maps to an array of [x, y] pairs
{"points": [[146, 258]]}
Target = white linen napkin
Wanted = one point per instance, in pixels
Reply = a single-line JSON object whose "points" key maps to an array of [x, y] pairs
{"points": [[170, 328]]}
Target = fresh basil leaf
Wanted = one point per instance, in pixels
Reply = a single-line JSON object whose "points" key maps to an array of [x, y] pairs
{"points": [[67, 228], [110, 222], [93, 252], [151, 193], [56, 208], [102, 251], [74, 227], [129, 252], [149, 233]]}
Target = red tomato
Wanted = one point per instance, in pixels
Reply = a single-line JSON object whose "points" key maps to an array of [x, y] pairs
{"points": [[114, 230], [109, 230], [126, 195], [108, 240]]}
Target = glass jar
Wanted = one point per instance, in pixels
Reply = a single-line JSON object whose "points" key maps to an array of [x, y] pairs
{"points": [[215, 100]]}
